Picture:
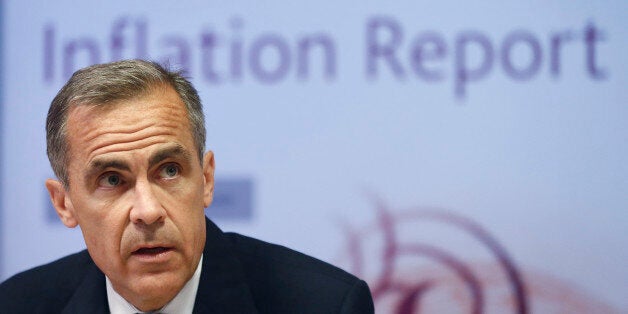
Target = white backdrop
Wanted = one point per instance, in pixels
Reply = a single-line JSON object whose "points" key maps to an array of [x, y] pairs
{"points": [[334, 123]]}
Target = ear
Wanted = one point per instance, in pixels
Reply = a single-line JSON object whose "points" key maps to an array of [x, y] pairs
{"points": [[208, 178], [62, 203]]}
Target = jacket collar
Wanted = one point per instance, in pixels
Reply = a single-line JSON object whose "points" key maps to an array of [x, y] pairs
{"points": [[91, 295], [222, 288]]}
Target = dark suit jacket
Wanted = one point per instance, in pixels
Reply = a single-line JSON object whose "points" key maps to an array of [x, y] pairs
{"points": [[239, 275]]}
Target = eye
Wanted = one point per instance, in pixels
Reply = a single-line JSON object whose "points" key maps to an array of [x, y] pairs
{"points": [[110, 180], [169, 171]]}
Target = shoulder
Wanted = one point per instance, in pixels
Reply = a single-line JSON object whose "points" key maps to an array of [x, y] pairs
{"points": [[297, 281], [272, 257], [51, 284]]}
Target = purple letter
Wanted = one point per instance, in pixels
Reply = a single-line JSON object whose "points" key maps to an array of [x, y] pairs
{"points": [[428, 46], [283, 58], [327, 45], [591, 35], [464, 74], [535, 60], [208, 43], [49, 53], [235, 65], [375, 49], [74, 46], [118, 42], [142, 39], [181, 56], [556, 42]]}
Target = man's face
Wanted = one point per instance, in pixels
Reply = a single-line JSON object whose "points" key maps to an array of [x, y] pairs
{"points": [[138, 192]]}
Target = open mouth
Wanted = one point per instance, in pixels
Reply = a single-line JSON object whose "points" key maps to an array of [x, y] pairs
{"points": [[151, 251]]}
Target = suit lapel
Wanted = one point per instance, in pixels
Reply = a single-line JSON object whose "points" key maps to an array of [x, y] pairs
{"points": [[223, 287], [91, 295]]}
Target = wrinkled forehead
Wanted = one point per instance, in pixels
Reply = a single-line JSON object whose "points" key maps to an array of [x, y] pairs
{"points": [[161, 97], [162, 106]]}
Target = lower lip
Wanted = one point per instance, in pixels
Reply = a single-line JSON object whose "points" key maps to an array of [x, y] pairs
{"points": [[152, 257]]}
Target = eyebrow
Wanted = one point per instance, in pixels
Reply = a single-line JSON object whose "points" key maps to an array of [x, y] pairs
{"points": [[101, 164], [175, 150], [98, 165]]}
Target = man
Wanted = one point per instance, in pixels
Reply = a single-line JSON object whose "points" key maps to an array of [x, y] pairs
{"points": [[126, 142]]}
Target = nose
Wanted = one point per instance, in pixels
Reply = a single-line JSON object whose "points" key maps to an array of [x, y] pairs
{"points": [[146, 208]]}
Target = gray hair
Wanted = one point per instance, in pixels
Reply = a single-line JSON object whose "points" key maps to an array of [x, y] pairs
{"points": [[101, 84]]}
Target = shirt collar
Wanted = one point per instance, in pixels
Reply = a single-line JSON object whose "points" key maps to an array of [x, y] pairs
{"points": [[183, 302]]}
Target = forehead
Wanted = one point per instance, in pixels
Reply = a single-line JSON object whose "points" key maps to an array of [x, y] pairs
{"points": [[126, 125], [156, 97]]}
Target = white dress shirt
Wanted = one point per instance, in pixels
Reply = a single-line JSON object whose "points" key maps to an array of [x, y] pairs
{"points": [[182, 303]]}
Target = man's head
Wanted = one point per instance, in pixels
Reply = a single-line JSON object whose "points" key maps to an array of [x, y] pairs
{"points": [[126, 141], [103, 84]]}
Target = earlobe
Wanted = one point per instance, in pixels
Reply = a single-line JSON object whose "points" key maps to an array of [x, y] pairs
{"points": [[61, 202], [208, 178]]}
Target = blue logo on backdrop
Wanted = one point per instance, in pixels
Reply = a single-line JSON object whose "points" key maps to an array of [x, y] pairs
{"points": [[233, 200]]}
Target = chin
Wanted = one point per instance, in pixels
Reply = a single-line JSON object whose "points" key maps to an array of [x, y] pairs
{"points": [[160, 282], [157, 289]]}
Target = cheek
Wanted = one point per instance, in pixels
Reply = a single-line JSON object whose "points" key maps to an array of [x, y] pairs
{"points": [[184, 199], [185, 209], [102, 224], [103, 244]]}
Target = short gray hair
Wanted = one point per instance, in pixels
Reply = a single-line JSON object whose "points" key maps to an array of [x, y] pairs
{"points": [[108, 83]]}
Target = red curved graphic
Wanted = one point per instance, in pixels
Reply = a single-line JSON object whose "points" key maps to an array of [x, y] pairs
{"points": [[453, 284]]}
